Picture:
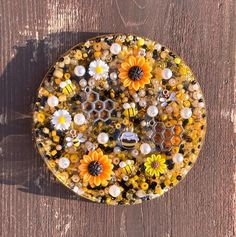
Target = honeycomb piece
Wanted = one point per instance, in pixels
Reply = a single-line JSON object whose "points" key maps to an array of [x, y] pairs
{"points": [[95, 107], [167, 137]]}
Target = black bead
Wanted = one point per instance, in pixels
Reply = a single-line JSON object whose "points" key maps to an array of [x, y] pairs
{"points": [[153, 185], [170, 164], [162, 185], [178, 177]]}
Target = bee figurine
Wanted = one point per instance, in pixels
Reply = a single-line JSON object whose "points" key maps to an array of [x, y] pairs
{"points": [[166, 98], [75, 141], [127, 167], [128, 140], [130, 110], [67, 87]]}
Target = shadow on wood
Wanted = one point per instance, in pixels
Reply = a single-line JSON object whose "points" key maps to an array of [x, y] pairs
{"points": [[20, 164]]}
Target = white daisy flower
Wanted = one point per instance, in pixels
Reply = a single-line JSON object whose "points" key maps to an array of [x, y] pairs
{"points": [[61, 119], [98, 69]]}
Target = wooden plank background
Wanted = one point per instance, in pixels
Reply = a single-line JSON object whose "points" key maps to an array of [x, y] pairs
{"points": [[33, 34]]}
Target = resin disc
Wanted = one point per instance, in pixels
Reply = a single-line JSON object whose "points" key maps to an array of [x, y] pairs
{"points": [[119, 119]]}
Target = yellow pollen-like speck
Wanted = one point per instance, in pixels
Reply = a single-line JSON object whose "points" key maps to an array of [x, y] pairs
{"points": [[61, 119], [99, 69]]}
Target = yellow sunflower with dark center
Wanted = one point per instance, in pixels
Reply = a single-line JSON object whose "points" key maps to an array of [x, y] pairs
{"points": [[155, 165], [95, 168], [135, 72]]}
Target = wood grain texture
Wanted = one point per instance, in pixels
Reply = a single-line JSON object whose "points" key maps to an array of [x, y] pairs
{"points": [[33, 34]]}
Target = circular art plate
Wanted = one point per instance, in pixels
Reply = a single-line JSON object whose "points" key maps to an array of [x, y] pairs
{"points": [[119, 119]]}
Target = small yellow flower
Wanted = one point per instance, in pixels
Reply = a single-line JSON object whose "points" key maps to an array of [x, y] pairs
{"points": [[155, 165]]}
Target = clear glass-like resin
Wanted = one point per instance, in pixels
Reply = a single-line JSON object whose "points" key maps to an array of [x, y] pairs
{"points": [[119, 119]]}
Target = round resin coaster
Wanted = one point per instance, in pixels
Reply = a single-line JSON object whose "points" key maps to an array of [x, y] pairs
{"points": [[119, 119]]}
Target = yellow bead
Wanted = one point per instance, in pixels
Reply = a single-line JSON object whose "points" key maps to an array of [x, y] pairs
{"points": [[74, 158], [135, 185], [75, 178], [53, 153], [177, 60], [164, 117], [51, 163], [57, 81], [56, 138], [187, 103], [144, 186], [140, 42], [67, 76], [159, 191], [40, 117], [136, 177], [183, 70], [175, 149], [54, 133], [97, 54]]}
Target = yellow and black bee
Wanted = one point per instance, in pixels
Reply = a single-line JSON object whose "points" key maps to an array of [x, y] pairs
{"points": [[67, 87], [127, 167], [128, 139], [75, 141], [130, 110]]}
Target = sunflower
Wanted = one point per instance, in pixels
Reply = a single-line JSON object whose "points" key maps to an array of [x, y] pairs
{"points": [[135, 72], [155, 165], [95, 168]]}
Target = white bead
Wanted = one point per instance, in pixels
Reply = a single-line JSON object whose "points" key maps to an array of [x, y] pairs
{"points": [[132, 105], [79, 119], [142, 93], [114, 191], [136, 100], [83, 83], [143, 123], [201, 104], [58, 73], [52, 101], [126, 178], [115, 48], [78, 190], [195, 86], [90, 146], [157, 47], [122, 164], [166, 73], [67, 60], [63, 84], [178, 158], [142, 102], [91, 82], [103, 138], [126, 105], [145, 148], [79, 70], [128, 162], [113, 75], [152, 111], [64, 163], [186, 113], [140, 193], [116, 149], [134, 152]]}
